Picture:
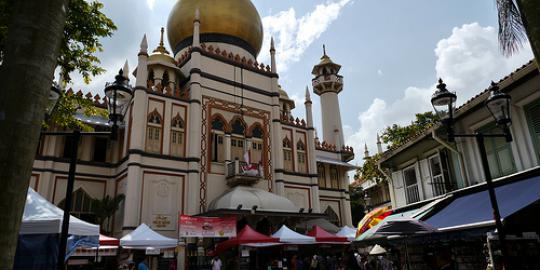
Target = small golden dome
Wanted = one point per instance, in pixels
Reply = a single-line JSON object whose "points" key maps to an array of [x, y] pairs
{"points": [[235, 22], [160, 54], [285, 97]]}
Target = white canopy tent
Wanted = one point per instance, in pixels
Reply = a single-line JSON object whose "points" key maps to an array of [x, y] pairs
{"points": [[288, 236], [348, 232], [42, 217], [145, 238]]}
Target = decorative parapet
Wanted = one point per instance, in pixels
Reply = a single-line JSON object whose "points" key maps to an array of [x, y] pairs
{"points": [[241, 60], [347, 152], [96, 99], [290, 120], [167, 90]]}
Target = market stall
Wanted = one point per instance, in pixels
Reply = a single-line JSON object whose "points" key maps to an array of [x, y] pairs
{"points": [[323, 237], [39, 234], [288, 236], [347, 232], [143, 237]]}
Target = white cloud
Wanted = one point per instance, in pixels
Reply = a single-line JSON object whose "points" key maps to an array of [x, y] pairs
{"points": [[467, 61], [294, 35], [150, 4], [379, 72]]}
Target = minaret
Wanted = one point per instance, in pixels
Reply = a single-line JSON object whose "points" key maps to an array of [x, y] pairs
{"points": [[136, 129], [315, 199], [327, 83], [366, 152], [273, 56], [194, 136], [379, 144]]}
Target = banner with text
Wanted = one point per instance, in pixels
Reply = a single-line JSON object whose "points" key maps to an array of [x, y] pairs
{"points": [[207, 227]]}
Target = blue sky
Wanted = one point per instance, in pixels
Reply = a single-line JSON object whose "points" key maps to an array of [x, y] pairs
{"points": [[391, 51]]}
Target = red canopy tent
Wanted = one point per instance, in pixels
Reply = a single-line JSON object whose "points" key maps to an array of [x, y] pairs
{"points": [[108, 241], [245, 237], [322, 236]]}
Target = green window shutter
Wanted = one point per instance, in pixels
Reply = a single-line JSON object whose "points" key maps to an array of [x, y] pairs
{"points": [[532, 111], [499, 153]]}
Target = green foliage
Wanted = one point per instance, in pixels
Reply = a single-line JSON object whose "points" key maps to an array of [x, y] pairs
{"points": [[370, 169], [357, 203], [105, 208], [85, 25], [396, 135], [69, 104]]}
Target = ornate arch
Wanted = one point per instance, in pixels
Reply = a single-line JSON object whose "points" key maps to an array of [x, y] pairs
{"points": [[235, 128], [154, 117], [256, 130], [300, 145], [287, 143], [218, 117], [178, 122]]}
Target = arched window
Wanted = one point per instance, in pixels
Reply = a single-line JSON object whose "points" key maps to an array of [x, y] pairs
{"points": [[177, 136], [334, 177], [301, 156], [82, 205], [165, 80], [238, 129], [287, 155], [332, 216], [154, 132], [218, 128], [151, 76], [321, 175], [257, 142]]}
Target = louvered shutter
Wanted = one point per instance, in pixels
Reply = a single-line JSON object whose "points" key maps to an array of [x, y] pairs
{"points": [[533, 118]]}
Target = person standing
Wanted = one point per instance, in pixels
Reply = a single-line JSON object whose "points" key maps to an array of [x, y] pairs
{"points": [[143, 264], [216, 263]]}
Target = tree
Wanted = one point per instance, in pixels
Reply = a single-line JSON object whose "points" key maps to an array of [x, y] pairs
{"points": [[105, 208], [35, 39], [357, 203], [396, 135], [85, 26], [519, 19], [29, 57], [370, 169]]}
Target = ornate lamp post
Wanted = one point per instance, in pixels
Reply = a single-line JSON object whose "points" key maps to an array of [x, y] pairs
{"points": [[119, 94], [498, 104]]}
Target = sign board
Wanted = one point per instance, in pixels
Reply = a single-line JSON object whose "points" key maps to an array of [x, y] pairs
{"points": [[153, 251], [207, 227]]}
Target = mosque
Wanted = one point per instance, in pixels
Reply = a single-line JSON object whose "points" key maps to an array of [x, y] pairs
{"points": [[201, 109]]}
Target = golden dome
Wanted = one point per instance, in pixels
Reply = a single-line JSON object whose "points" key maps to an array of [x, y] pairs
{"points": [[235, 22]]}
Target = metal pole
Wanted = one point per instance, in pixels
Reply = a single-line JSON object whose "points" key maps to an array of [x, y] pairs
{"points": [[493, 199], [76, 136]]}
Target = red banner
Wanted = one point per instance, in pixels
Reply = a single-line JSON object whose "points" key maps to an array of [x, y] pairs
{"points": [[207, 227]]}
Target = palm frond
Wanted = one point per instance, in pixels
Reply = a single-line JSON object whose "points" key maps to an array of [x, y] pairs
{"points": [[512, 33]]}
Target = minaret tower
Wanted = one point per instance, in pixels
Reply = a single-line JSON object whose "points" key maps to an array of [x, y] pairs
{"points": [[327, 83]]}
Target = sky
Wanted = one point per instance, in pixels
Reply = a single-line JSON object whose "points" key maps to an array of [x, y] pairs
{"points": [[392, 52]]}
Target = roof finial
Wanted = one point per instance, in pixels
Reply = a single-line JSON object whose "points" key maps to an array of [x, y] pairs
{"points": [[161, 38], [197, 15], [161, 46], [272, 47], [324, 49], [125, 70], [308, 96], [144, 44]]}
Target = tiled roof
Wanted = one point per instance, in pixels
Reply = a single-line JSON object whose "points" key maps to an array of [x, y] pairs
{"points": [[502, 83]]}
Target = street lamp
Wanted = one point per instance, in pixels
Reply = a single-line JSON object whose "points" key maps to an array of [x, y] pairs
{"points": [[119, 94], [498, 104]]}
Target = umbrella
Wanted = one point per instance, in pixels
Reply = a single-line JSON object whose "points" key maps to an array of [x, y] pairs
{"points": [[373, 218], [406, 227], [377, 250]]}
